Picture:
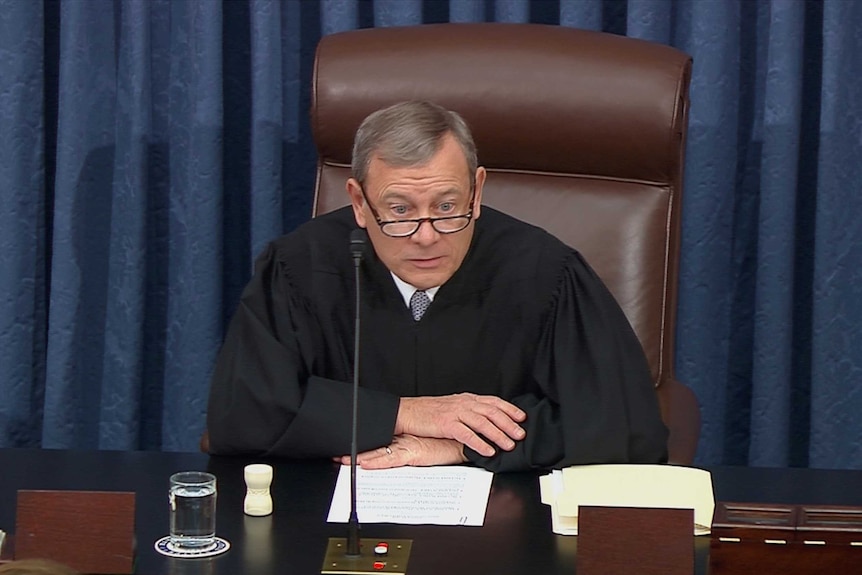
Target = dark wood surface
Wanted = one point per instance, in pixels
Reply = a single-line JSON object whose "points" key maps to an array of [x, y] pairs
{"points": [[613, 539], [100, 519], [516, 537]]}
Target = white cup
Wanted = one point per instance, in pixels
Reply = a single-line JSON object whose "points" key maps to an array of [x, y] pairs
{"points": [[258, 478]]}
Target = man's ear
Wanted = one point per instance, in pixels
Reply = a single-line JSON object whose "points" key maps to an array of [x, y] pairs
{"points": [[480, 184], [357, 201]]}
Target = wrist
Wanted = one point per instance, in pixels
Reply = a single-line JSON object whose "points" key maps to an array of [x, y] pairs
{"points": [[400, 417], [461, 453]]}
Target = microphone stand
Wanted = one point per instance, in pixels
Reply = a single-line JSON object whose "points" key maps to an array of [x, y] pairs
{"points": [[355, 555], [353, 547]]}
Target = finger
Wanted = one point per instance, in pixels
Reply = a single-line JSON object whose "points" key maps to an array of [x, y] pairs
{"points": [[500, 417], [487, 433], [398, 458], [371, 454], [469, 438], [491, 430], [382, 463], [513, 411], [486, 419]]}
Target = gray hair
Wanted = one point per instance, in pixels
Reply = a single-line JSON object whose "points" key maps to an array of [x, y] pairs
{"points": [[409, 134]]}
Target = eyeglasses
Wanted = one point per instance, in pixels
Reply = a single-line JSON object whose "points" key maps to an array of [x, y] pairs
{"points": [[406, 228]]}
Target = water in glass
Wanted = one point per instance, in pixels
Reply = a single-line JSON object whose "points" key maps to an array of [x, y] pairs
{"points": [[193, 510]]}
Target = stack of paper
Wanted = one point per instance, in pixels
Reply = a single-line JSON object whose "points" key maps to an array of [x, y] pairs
{"points": [[653, 486], [443, 495]]}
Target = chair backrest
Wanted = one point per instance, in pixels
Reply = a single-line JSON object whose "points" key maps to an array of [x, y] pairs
{"points": [[582, 133]]}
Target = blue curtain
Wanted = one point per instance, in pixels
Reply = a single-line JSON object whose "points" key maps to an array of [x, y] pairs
{"points": [[150, 148]]}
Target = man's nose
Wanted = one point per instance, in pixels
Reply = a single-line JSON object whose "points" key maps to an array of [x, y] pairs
{"points": [[426, 234]]}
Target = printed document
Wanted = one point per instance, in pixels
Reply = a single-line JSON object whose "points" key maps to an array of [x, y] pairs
{"points": [[445, 495]]}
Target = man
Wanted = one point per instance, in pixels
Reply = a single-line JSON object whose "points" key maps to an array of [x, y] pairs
{"points": [[522, 358]]}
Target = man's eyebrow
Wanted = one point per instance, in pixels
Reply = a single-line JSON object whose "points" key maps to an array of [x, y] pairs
{"points": [[449, 192], [389, 196], [402, 196]]}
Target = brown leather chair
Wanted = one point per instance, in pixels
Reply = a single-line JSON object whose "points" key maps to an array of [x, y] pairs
{"points": [[582, 133]]}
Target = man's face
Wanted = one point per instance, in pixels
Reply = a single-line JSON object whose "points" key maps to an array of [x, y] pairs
{"points": [[438, 188]]}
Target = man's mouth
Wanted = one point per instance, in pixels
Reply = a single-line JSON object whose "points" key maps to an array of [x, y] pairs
{"points": [[425, 263]]}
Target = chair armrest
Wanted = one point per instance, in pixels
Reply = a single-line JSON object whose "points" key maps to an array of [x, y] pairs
{"points": [[681, 414]]}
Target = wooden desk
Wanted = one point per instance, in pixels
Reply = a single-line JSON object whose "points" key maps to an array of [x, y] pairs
{"points": [[516, 538]]}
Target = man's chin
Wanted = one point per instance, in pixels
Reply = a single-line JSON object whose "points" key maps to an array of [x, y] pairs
{"points": [[425, 279]]}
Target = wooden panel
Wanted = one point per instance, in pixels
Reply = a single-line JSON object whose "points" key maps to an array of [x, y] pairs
{"points": [[90, 531], [611, 540], [753, 539]]}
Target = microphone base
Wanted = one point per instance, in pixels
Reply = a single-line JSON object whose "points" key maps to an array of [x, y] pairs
{"points": [[337, 561]]}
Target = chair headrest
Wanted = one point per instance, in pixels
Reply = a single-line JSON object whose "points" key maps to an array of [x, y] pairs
{"points": [[537, 97]]}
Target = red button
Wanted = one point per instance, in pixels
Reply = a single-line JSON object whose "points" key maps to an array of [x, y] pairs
{"points": [[379, 565]]}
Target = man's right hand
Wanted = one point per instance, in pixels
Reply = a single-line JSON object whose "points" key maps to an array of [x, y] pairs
{"points": [[463, 417]]}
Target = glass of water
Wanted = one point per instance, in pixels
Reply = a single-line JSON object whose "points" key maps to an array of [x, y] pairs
{"points": [[192, 500]]}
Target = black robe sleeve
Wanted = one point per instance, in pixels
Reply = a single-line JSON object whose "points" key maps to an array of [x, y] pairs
{"points": [[264, 398], [596, 403]]}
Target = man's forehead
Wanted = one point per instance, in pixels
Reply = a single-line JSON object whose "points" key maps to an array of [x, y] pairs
{"points": [[417, 186], [415, 194], [381, 172]]}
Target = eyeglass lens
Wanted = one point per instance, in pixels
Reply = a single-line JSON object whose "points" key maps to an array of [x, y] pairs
{"points": [[442, 225]]}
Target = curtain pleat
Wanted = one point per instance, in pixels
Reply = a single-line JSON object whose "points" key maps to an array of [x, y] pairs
{"points": [[836, 378], [579, 14], [466, 10], [397, 13], [266, 122], [123, 359], [338, 15], [777, 186], [194, 307], [512, 11], [83, 199], [23, 308], [711, 262]]}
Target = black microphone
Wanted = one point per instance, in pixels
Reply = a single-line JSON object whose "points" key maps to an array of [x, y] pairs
{"points": [[357, 249], [354, 555]]}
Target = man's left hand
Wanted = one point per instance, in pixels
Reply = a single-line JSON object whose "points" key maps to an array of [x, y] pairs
{"points": [[410, 450]]}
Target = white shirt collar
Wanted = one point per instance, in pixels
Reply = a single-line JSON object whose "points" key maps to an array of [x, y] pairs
{"points": [[408, 290]]}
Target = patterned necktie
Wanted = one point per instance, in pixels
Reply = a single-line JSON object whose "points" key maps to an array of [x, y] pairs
{"points": [[419, 302]]}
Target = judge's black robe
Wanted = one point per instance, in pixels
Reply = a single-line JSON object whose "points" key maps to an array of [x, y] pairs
{"points": [[523, 318]]}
